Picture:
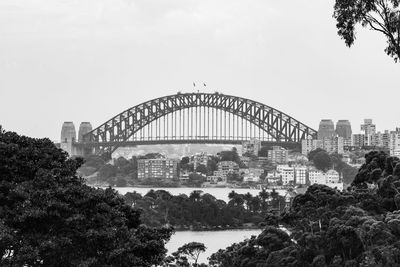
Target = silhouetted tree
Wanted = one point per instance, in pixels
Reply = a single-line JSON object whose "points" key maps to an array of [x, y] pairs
{"points": [[382, 16], [49, 217], [192, 250]]}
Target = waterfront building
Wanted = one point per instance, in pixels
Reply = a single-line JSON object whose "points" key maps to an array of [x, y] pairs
{"points": [[278, 155], [326, 129], [226, 167], [250, 177], [160, 168], [213, 179], [251, 147]]}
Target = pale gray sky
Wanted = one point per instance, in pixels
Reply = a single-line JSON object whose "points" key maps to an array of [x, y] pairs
{"points": [[87, 60]]}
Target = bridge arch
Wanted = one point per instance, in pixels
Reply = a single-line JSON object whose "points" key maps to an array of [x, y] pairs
{"points": [[122, 128]]}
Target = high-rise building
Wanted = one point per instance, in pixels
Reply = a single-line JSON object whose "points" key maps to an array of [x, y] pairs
{"points": [[369, 130], [160, 168], [386, 139], [394, 144], [278, 155], [343, 129], [368, 127], [326, 129], [358, 140]]}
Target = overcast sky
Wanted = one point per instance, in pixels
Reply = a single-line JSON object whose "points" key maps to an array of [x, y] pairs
{"points": [[87, 60]]}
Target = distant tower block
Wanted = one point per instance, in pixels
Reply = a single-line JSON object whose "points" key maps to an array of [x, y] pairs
{"points": [[326, 129], [68, 137], [84, 128], [343, 129]]}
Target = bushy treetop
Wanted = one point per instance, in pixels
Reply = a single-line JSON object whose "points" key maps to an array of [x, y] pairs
{"points": [[49, 217]]}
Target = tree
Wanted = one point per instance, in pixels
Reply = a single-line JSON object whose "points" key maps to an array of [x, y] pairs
{"points": [[230, 155], [312, 154], [185, 160], [264, 151], [192, 250], [233, 177], [322, 161], [107, 171], [131, 198], [212, 164], [94, 161], [49, 217], [382, 16], [196, 179], [264, 195], [202, 169]]}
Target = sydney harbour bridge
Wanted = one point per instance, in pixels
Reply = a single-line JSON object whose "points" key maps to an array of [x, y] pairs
{"points": [[187, 118]]}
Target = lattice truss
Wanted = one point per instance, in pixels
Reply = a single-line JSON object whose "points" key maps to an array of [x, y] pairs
{"points": [[198, 117]]}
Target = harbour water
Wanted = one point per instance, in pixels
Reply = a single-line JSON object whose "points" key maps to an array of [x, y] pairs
{"points": [[213, 240]]}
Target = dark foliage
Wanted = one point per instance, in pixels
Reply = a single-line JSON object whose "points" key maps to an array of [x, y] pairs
{"points": [[204, 211], [49, 217], [382, 16], [360, 227]]}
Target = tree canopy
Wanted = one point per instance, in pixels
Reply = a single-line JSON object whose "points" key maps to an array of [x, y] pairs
{"points": [[192, 250], [325, 227], [382, 16], [49, 217], [321, 159]]}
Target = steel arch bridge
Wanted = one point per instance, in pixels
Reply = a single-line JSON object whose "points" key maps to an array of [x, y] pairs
{"points": [[197, 118]]}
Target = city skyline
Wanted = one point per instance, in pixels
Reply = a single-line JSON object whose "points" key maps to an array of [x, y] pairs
{"points": [[88, 61]]}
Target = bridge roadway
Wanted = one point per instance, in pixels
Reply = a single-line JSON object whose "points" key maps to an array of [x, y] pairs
{"points": [[288, 145]]}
